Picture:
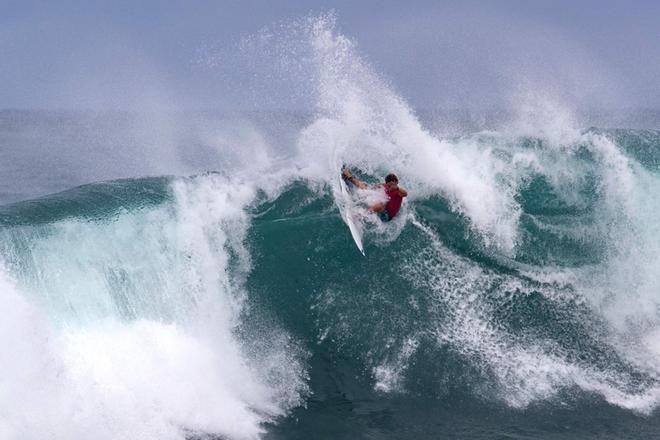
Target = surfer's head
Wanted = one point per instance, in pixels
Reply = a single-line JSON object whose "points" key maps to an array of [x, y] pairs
{"points": [[391, 180]]}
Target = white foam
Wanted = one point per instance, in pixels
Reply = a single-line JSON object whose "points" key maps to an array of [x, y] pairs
{"points": [[372, 128], [390, 374], [131, 332], [122, 380], [525, 370]]}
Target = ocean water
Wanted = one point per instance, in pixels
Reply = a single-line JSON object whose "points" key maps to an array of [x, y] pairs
{"points": [[168, 276]]}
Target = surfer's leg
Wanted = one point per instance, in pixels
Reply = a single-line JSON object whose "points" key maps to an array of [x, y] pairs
{"points": [[377, 207]]}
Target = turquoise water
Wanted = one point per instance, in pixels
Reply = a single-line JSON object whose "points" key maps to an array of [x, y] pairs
{"points": [[184, 276]]}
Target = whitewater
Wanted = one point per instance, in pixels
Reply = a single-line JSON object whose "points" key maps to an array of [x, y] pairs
{"points": [[207, 287]]}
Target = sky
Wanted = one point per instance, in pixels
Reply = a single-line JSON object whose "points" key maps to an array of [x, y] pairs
{"points": [[76, 54]]}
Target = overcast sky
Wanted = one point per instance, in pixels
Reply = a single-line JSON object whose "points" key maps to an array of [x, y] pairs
{"points": [[82, 54]]}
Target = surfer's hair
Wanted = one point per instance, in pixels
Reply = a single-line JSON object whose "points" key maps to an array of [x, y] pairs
{"points": [[391, 178]]}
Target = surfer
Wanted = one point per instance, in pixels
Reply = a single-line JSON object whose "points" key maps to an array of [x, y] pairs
{"points": [[385, 210]]}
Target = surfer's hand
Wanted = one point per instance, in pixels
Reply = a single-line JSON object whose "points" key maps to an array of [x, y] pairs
{"points": [[346, 173]]}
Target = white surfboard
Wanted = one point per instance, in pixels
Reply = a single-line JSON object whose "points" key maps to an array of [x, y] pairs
{"points": [[347, 209]]}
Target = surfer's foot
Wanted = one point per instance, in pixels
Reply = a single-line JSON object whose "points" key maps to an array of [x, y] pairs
{"points": [[346, 175]]}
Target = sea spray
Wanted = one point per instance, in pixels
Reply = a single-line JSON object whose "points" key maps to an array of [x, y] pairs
{"points": [[143, 310], [518, 280]]}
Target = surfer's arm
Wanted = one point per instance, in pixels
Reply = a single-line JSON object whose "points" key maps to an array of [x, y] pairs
{"points": [[403, 192], [360, 184], [354, 180]]}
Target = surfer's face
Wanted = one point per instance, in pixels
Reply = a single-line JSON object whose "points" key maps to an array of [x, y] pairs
{"points": [[392, 184]]}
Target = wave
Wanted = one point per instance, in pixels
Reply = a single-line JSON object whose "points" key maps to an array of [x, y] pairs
{"points": [[520, 271], [130, 314]]}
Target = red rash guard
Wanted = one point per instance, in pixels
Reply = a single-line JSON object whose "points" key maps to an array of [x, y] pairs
{"points": [[394, 201]]}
